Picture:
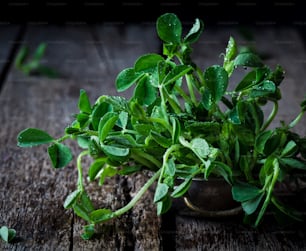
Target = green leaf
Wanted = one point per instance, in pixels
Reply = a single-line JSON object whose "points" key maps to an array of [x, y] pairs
{"points": [[86, 203], [94, 148], [195, 32], [83, 119], [231, 50], [170, 167], [216, 79], [84, 103], [248, 81], [60, 155], [33, 137], [107, 171], [4, 233], [230, 54], [169, 28], [265, 88], [114, 151], [127, 170], [290, 149], [176, 130], [80, 211], [303, 105], [98, 112], [21, 56], [250, 206], [293, 163], [145, 93], [160, 192], [248, 59], [147, 63], [164, 205], [95, 168], [126, 78], [200, 147], [261, 140], [7, 234], [161, 140], [83, 141], [101, 215], [88, 231], [137, 110], [223, 170], [71, 198], [243, 191], [182, 188], [277, 75], [39, 52], [106, 124], [176, 73], [123, 119]]}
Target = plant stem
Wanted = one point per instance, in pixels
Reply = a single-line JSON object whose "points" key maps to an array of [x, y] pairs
{"points": [[165, 159], [177, 109], [200, 75], [145, 158], [271, 116], [63, 138], [183, 94], [80, 170], [255, 117], [143, 189], [269, 193], [190, 89], [296, 120]]}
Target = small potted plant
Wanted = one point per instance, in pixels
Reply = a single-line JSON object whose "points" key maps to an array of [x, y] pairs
{"points": [[183, 123]]}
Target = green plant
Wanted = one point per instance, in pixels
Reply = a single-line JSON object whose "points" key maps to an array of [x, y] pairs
{"points": [[184, 122], [7, 234], [33, 65]]}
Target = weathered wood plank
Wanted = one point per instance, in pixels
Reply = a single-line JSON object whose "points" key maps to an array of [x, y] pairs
{"points": [[8, 35], [49, 104], [32, 193]]}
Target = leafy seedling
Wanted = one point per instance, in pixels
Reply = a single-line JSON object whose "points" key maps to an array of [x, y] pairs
{"points": [[182, 122]]}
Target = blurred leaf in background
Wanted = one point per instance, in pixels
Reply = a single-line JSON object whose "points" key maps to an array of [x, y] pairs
{"points": [[32, 64]]}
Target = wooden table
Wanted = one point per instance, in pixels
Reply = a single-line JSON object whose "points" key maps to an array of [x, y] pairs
{"points": [[89, 57]]}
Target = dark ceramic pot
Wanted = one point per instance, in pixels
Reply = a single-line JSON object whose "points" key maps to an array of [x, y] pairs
{"points": [[211, 198]]}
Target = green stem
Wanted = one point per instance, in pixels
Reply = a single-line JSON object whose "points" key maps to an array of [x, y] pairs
{"points": [[162, 122], [269, 193], [163, 103], [296, 120], [255, 117], [144, 158], [144, 188], [165, 159], [63, 138], [190, 89], [200, 75], [183, 94], [80, 170], [271, 116], [175, 106]]}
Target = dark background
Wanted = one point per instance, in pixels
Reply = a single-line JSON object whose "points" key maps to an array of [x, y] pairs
{"points": [[212, 12]]}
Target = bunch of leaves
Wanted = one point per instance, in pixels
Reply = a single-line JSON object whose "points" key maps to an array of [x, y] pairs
{"points": [[7, 234], [182, 122], [32, 64]]}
